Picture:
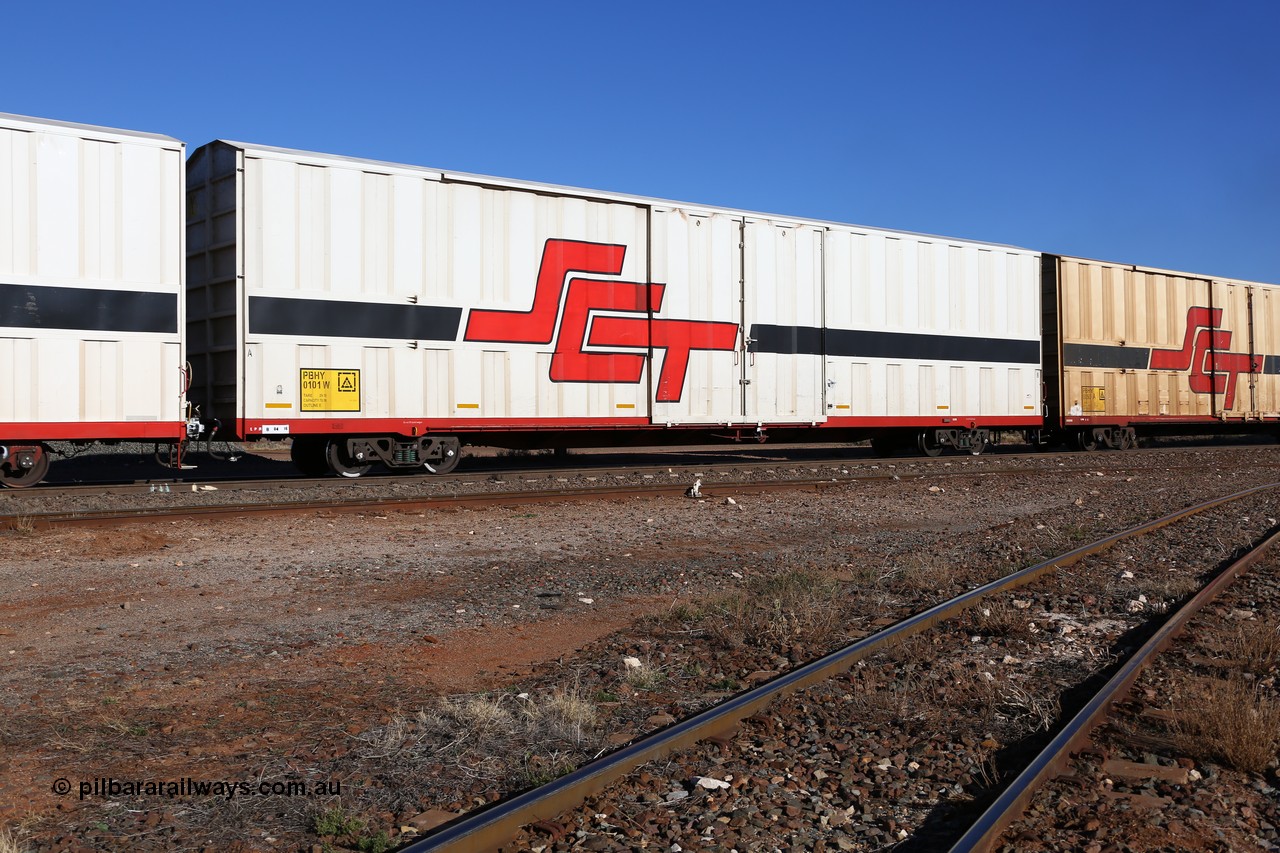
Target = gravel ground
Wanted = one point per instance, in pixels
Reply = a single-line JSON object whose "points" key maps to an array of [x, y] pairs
{"points": [[338, 648]]}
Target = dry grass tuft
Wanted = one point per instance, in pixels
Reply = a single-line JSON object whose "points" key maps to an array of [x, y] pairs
{"points": [[9, 842], [1164, 593], [998, 619], [1257, 647], [775, 611], [483, 715], [566, 715], [490, 737], [21, 525], [1029, 708], [884, 700], [927, 575], [1231, 721], [646, 676]]}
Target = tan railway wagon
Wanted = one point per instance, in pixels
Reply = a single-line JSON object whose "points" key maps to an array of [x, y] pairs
{"points": [[1143, 350]]}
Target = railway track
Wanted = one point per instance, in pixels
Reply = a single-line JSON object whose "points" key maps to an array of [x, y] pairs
{"points": [[102, 505], [273, 470], [557, 808]]}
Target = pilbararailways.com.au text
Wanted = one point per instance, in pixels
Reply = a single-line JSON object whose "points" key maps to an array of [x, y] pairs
{"points": [[110, 787]]}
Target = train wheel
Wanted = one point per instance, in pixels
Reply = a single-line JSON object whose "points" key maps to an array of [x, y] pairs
{"points": [[976, 447], [1128, 440], [14, 476], [451, 455], [307, 452], [342, 463], [927, 441], [1086, 440]]}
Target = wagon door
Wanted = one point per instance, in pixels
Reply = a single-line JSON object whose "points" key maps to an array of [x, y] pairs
{"points": [[782, 367], [1232, 358], [696, 319], [1265, 307]]}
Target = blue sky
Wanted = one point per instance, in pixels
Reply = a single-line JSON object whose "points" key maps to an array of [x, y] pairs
{"points": [[1144, 132]]}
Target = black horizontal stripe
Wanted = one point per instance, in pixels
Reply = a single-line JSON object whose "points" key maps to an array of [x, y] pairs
{"points": [[1271, 364], [1100, 355], [854, 343], [29, 306], [326, 318]]}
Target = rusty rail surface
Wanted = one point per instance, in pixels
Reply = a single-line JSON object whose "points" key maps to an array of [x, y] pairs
{"points": [[492, 826]]}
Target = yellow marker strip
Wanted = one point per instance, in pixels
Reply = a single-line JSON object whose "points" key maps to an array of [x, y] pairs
{"points": [[1028, 407], [626, 405], [279, 405], [841, 406], [944, 407], [468, 405]]}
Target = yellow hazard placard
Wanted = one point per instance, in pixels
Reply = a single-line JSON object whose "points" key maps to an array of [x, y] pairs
{"points": [[1093, 399], [328, 390]]}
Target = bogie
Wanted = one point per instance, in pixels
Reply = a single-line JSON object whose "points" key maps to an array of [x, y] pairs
{"points": [[22, 466]]}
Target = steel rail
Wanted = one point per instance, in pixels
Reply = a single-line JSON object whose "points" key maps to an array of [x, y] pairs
{"points": [[1013, 801], [515, 498], [10, 516], [357, 502], [917, 465], [494, 825]]}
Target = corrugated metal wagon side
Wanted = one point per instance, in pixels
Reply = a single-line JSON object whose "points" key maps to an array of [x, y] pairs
{"points": [[382, 313], [91, 289], [1151, 351], [376, 312], [931, 341]]}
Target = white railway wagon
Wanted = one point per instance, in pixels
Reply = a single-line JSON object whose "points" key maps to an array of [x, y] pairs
{"points": [[91, 289], [382, 312]]}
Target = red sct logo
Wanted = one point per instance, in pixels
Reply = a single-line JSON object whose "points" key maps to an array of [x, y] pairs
{"points": [[1213, 370], [578, 312]]}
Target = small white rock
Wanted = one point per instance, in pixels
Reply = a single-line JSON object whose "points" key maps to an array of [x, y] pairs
{"points": [[632, 663], [587, 600], [709, 783]]}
